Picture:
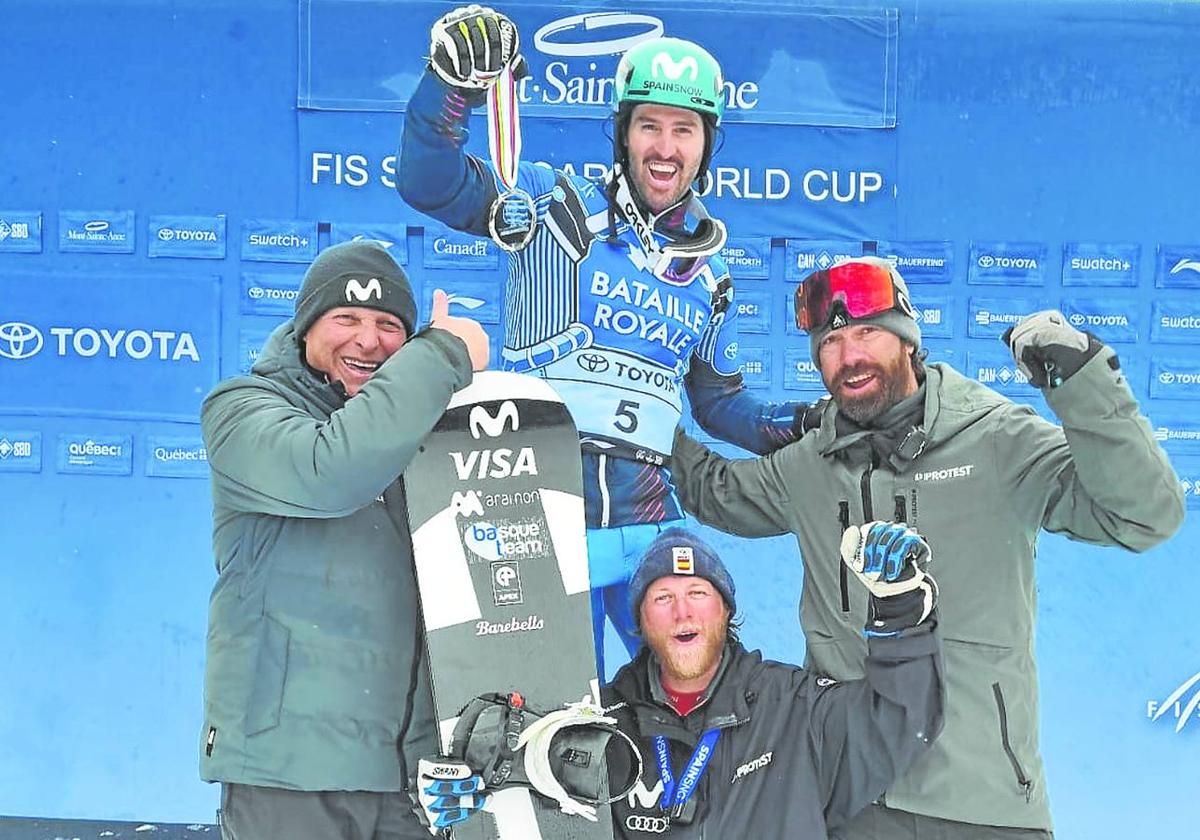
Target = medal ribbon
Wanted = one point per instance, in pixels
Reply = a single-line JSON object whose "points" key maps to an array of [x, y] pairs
{"points": [[504, 129], [676, 794]]}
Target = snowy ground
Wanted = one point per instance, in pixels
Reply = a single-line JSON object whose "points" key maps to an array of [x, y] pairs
{"points": [[22, 828]]}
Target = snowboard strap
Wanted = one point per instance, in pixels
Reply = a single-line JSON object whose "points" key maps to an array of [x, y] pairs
{"points": [[562, 753]]}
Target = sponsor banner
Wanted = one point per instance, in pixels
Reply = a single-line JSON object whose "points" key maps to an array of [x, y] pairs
{"points": [[804, 256], [176, 456], [279, 240], [1176, 432], [1175, 321], [933, 314], [251, 341], [470, 298], [20, 451], [850, 194], [996, 369], [748, 257], [1100, 264], [990, 317], [95, 454], [799, 372], [20, 231], [825, 67], [1113, 320], [755, 364], [753, 312], [390, 235], [140, 345], [269, 293], [96, 231], [1188, 470], [194, 237], [920, 262], [445, 248], [1178, 267], [1174, 378], [1007, 264]]}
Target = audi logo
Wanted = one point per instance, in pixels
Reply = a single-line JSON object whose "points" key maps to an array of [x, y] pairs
{"points": [[19, 340], [651, 825], [592, 362]]}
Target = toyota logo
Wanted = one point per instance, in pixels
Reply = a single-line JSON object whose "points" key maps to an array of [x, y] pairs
{"points": [[592, 362], [653, 825], [19, 340], [166, 234], [1077, 319], [987, 261]]}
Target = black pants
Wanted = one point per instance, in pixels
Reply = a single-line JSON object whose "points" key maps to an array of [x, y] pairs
{"points": [[249, 812], [880, 823]]}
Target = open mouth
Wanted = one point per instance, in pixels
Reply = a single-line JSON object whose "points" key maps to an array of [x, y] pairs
{"points": [[686, 637], [858, 381], [661, 171], [362, 367]]}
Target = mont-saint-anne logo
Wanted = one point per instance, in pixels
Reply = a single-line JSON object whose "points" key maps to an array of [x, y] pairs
{"points": [[615, 33], [481, 422], [1179, 703], [357, 291], [664, 65]]}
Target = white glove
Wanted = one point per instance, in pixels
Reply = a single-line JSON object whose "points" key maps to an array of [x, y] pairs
{"points": [[889, 558], [447, 792], [472, 45], [1047, 349]]}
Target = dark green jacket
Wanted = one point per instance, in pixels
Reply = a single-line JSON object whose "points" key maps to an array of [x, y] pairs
{"points": [[315, 676], [991, 477]]}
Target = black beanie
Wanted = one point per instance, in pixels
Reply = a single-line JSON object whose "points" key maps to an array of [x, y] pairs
{"points": [[677, 551], [359, 273]]}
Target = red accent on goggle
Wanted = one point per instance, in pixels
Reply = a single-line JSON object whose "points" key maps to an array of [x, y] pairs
{"points": [[863, 288]]}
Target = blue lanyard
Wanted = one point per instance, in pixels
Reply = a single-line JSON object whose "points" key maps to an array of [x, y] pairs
{"points": [[676, 796]]}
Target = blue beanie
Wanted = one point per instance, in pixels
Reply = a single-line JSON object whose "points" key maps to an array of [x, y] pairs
{"points": [[677, 551]]}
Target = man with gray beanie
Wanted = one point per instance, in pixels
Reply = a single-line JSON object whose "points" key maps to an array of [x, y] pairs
{"points": [[981, 477], [317, 697], [734, 746]]}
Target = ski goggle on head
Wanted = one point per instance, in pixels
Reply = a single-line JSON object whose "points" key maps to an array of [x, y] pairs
{"points": [[862, 287]]}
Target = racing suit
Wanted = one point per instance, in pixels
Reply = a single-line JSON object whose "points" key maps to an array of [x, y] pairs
{"points": [[619, 343]]}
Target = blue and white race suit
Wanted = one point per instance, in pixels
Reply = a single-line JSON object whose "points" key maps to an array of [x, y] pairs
{"points": [[582, 309]]}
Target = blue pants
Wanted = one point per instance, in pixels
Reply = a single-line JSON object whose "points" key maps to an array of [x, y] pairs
{"points": [[613, 557]]}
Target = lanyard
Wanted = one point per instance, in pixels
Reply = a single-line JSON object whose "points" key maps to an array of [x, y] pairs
{"points": [[675, 796]]}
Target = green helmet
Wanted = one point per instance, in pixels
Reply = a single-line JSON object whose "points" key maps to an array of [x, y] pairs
{"points": [[670, 71]]}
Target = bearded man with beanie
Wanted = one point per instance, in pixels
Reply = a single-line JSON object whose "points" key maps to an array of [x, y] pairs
{"points": [[980, 476], [317, 695], [734, 746]]}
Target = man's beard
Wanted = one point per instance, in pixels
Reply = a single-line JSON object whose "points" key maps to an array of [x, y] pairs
{"points": [[679, 665], [862, 410]]}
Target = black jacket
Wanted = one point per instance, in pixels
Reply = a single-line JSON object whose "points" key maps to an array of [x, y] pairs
{"points": [[798, 754]]}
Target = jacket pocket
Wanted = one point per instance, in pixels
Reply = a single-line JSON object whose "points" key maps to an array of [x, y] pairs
{"points": [[270, 673], [1023, 780]]}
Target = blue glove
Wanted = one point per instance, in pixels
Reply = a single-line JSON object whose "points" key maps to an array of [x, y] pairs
{"points": [[889, 558], [447, 792]]}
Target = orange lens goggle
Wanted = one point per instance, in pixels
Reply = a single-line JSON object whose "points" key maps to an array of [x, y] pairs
{"points": [[863, 288]]}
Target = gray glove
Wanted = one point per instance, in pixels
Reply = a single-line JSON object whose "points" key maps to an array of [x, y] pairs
{"points": [[890, 558], [471, 46], [1048, 349]]}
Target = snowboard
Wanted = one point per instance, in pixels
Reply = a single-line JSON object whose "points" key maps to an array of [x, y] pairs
{"points": [[495, 503]]}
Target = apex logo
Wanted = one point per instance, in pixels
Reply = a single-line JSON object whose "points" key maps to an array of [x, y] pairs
{"points": [[482, 423], [664, 65], [356, 291]]}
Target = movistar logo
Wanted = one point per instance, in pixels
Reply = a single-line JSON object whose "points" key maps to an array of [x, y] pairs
{"points": [[664, 65], [357, 291], [483, 423]]}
